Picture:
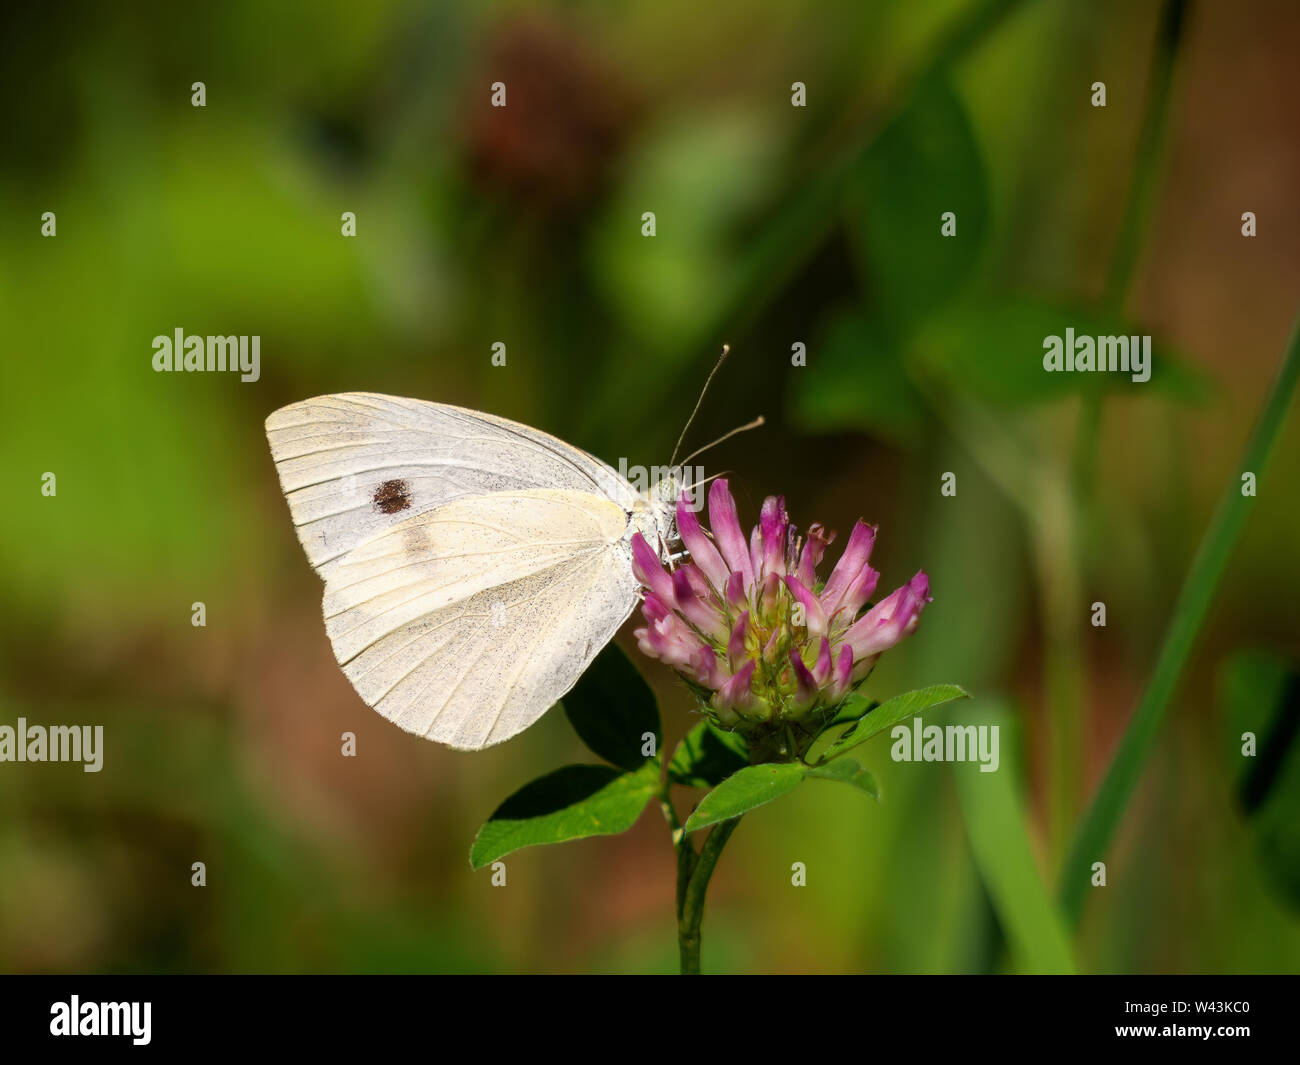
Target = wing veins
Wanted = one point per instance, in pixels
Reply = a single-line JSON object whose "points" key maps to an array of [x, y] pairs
{"points": [[429, 591]]}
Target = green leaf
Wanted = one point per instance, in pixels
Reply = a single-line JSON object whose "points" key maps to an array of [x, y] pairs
{"points": [[847, 771], [707, 756], [1260, 693], [758, 784], [570, 803], [926, 162], [996, 826], [743, 791], [992, 352], [861, 383], [890, 712], [612, 708], [855, 708]]}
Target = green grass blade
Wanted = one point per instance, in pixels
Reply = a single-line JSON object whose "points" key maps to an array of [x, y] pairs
{"points": [[995, 823], [1103, 815]]}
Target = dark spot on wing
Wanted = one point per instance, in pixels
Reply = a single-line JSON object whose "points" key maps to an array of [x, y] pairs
{"points": [[392, 496]]}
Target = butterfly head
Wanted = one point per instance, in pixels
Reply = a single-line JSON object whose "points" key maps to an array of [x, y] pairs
{"points": [[654, 514]]}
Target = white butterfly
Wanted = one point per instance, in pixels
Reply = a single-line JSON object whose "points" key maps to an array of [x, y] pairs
{"points": [[473, 566]]}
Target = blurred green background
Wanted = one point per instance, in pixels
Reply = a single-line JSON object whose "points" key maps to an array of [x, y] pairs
{"points": [[776, 225]]}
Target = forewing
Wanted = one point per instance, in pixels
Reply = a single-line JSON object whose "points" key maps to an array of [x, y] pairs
{"points": [[357, 464], [465, 623]]}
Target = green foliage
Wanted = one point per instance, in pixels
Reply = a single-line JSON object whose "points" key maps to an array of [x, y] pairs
{"points": [[920, 317], [854, 708], [999, 840], [753, 786], [1112, 796], [991, 350], [663, 288], [925, 163], [891, 711], [612, 709], [1260, 695], [861, 382], [741, 792], [707, 756], [571, 803], [847, 771]]}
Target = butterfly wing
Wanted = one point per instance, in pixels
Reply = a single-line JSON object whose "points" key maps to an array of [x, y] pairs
{"points": [[357, 464], [465, 623]]}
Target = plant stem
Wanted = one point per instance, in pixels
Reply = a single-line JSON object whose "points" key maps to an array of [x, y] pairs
{"points": [[691, 914], [1150, 142], [681, 844], [1099, 823], [1053, 529]]}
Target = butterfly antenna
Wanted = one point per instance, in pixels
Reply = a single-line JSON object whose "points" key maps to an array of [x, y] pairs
{"points": [[725, 436], [726, 350], [696, 484]]}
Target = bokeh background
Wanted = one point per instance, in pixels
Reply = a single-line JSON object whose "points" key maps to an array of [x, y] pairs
{"points": [[776, 225]]}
